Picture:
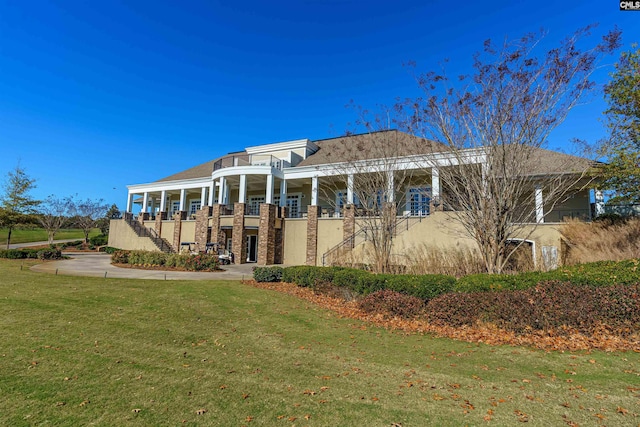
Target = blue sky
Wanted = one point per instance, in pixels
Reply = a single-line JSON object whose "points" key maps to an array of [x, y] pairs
{"points": [[98, 95]]}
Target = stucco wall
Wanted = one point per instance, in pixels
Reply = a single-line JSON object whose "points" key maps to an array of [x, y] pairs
{"points": [[167, 230], [121, 236], [295, 241], [188, 231], [329, 235]]}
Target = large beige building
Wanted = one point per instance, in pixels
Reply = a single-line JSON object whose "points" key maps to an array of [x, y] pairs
{"points": [[297, 202]]}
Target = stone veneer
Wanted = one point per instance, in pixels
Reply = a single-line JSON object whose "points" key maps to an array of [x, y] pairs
{"points": [[215, 225], [349, 223], [160, 216], [202, 228], [313, 212], [267, 234], [279, 246], [143, 216], [239, 236], [178, 217]]}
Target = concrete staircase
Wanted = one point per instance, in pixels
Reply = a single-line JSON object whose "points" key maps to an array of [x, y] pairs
{"points": [[148, 233]]}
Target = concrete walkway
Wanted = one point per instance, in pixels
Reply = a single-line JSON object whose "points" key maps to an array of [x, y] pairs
{"points": [[43, 243], [98, 264]]}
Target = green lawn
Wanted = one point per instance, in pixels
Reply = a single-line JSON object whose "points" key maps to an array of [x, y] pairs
{"points": [[40, 235], [80, 351]]}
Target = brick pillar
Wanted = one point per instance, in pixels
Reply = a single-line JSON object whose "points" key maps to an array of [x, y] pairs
{"points": [[267, 234], [161, 216], [239, 237], [143, 216], [215, 224], [278, 257], [202, 228], [349, 222], [313, 212], [178, 217]]}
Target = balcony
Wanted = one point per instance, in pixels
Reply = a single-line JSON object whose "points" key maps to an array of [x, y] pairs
{"points": [[251, 160]]}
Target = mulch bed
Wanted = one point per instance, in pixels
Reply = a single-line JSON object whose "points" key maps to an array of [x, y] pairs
{"points": [[488, 334]]}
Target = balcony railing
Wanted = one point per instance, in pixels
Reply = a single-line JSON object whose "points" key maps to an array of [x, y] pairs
{"points": [[561, 215], [248, 160]]}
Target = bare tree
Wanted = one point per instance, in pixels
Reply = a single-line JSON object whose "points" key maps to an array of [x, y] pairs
{"points": [[54, 213], [495, 123], [86, 213], [373, 180]]}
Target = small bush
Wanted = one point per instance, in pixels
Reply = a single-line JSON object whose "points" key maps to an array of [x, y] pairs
{"points": [[99, 240], [120, 257], [108, 249], [268, 274], [19, 253], [392, 304], [47, 254], [201, 262]]}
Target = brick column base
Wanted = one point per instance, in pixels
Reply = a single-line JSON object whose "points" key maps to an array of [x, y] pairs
{"points": [[143, 216], [202, 228], [161, 216], [239, 237], [267, 234], [349, 222], [178, 217], [313, 212]]}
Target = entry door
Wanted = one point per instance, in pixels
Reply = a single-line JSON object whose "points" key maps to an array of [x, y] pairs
{"points": [[252, 248]]}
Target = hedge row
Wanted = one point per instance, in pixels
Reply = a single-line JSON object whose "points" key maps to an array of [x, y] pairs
{"points": [[199, 262], [605, 273], [556, 306], [358, 281], [43, 254]]}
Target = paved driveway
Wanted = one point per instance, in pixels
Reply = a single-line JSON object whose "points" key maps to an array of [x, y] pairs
{"points": [[99, 264]]}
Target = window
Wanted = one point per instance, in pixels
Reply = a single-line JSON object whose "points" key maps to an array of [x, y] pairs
{"points": [[194, 206], [293, 204], [175, 207], [254, 205], [418, 200]]}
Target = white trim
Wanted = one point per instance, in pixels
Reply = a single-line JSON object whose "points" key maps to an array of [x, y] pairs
{"points": [[282, 146]]}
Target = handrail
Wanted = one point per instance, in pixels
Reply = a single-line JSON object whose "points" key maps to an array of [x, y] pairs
{"points": [[142, 231], [351, 239]]}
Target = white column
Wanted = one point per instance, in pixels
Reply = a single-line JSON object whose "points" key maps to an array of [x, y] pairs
{"points": [[242, 191], [183, 199], [314, 191], [350, 189], [269, 196], [390, 187], [145, 198], [203, 196], [539, 206], [129, 201], [163, 200], [283, 193], [435, 183], [212, 190], [599, 199], [221, 191]]}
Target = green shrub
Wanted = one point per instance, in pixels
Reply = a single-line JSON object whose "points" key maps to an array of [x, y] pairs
{"points": [[99, 240], [108, 249], [425, 287], [46, 254], [267, 274], [201, 262], [19, 253]]}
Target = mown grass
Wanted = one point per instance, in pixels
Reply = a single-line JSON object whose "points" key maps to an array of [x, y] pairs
{"points": [[40, 235], [79, 351]]}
